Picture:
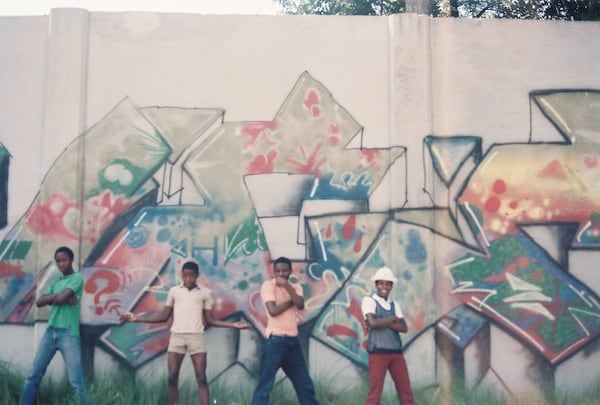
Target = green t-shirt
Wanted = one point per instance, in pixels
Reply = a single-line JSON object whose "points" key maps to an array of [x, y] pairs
{"points": [[65, 315]]}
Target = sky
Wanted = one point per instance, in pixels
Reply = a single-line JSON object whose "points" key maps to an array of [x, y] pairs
{"points": [[43, 7]]}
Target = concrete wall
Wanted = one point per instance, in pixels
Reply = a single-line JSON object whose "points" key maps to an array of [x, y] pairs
{"points": [[461, 153]]}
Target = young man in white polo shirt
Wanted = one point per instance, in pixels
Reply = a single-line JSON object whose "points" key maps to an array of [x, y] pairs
{"points": [[385, 321], [188, 303]]}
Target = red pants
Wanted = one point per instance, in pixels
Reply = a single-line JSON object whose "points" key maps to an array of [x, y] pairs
{"points": [[379, 364]]}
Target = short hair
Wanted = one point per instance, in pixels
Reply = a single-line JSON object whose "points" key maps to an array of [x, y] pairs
{"points": [[284, 260], [190, 266], [66, 250]]}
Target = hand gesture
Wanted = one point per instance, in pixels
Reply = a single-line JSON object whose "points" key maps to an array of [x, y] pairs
{"points": [[241, 325], [281, 282], [127, 317], [72, 301]]}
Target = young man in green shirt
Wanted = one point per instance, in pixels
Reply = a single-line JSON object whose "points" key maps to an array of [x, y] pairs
{"points": [[62, 334]]}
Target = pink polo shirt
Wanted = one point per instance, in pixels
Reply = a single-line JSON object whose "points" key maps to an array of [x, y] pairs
{"points": [[285, 323]]}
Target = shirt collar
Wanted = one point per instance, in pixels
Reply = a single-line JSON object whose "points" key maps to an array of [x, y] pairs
{"points": [[381, 300], [183, 286]]}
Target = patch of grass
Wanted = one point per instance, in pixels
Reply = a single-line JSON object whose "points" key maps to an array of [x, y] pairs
{"points": [[125, 389], [457, 395], [231, 394], [10, 385], [589, 396]]}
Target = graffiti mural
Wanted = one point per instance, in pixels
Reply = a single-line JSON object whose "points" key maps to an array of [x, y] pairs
{"points": [[521, 287], [146, 189]]}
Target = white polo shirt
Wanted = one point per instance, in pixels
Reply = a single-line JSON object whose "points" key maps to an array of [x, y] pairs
{"points": [[368, 305], [188, 307]]}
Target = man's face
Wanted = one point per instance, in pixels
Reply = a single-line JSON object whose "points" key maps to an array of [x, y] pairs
{"points": [[63, 262], [383, 288], [189, 278], [283, 270]]}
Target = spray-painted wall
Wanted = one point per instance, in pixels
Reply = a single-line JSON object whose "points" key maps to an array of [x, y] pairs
{"points": [[463, 154]]}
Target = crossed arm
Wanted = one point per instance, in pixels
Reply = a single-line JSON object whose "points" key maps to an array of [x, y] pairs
{"points": [[397, 324], [296, 300], [65, 297]]}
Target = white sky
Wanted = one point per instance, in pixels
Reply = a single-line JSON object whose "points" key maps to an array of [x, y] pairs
{"points": [[42, 7]]}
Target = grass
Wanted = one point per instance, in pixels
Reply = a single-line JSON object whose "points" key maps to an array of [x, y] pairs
{"points": [[125, 389]]}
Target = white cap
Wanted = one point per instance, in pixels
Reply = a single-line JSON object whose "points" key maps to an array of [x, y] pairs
{"points": [[384, 274]]}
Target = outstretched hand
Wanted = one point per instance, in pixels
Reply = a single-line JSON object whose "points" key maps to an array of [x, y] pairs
{"points": [[241, 325], [127, 317]]}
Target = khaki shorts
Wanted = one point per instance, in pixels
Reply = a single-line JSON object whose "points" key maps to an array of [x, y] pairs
{"points": [[191, 343]]}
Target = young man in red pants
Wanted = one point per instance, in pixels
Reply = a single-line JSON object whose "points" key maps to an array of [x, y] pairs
{"points": [[385, 321]]}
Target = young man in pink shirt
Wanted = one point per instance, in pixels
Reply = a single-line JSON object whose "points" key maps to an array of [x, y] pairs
{"points": [[281, 348]]}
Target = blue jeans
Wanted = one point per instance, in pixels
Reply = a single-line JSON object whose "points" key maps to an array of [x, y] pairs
{"points": [[283, 352], [70, 347]]}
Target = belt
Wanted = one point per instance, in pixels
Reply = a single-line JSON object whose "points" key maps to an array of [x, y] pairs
{"points": [[281, 335]]}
